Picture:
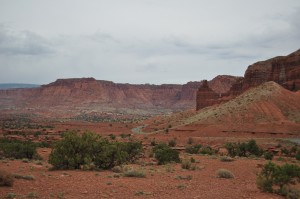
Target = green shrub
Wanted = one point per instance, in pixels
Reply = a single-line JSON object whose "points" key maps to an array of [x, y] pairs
{"points": [[134, 173], [112, 136], [273, 176], [188, 177], [297, 156], [292, 193], [207, 150], [32, 195], [186, 164], [268, 155], [172, 143], [24, 177], [11, 195], [17, 149], [153, 142], [224, 173], [193, 160], [193, 149], [75, 151], [226, 159], [164, 154], [244, 149], [117, 169], [190, 140], [285, 151], [6, 179]]}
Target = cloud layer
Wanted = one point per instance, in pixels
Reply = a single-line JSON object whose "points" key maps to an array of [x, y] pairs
{"points": [[142, 41]]}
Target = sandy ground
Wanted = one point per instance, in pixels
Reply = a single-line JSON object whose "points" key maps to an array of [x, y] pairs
{"points": [[160, 181]]}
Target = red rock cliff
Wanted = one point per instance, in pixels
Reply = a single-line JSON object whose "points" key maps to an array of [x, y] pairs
{"points": [[284, 70]]}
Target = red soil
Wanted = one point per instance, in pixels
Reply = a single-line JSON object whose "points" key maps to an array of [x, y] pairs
{"points": [[160, 181]]}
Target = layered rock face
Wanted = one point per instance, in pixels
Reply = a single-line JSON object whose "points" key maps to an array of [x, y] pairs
{"points": [[84, 95], [284, 70], [207, 97]]}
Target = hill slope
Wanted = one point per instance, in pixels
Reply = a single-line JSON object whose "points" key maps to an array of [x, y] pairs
{"points": [[266, 109]]}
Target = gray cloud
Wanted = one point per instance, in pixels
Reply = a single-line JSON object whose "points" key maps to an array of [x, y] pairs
{"points": [[144, 41], [22, 43]]}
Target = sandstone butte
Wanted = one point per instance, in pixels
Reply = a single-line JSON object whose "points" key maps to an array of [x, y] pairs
{"points": [[88, 94], [284, 70]]}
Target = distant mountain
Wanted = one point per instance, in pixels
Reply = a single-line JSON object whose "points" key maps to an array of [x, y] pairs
{"points": [[16, 85], [70, 97]]}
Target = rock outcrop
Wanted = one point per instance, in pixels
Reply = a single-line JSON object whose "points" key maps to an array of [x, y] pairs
{"points": [[70, 97], [284, 70], [207, 97], [75, 96]]}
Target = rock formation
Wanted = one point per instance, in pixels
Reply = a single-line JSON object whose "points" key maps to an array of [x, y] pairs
{"points": [[284, 70]]}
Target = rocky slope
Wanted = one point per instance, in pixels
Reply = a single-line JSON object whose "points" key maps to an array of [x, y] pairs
{"points": [[268, 109], [284, 70]]}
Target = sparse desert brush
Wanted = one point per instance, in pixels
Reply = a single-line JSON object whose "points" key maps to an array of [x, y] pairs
{"points": [[193, 149], [268, 155], [18, 149], [11, 195], [226, 159], [244, 149], [297, 156], [292, 193], [190, 140], [172, 143], [117, 169], [277, 179], [188, 177], [24, 177], [134, 173], [207, 150], [6, 179], [224, 173], [186, 164], [75, 150], [32, 195], [164, 154]]}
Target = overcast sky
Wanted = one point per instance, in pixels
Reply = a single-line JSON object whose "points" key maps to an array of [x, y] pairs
{"points": [[142, 41]]}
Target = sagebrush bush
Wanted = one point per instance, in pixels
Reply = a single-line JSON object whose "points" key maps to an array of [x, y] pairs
{"points": [[224, 173], [75, 151], [186, 164], [6, 178], [268, 155], [18, 149], [275, 178], [24, 177], [207, 150], [244, 149], [164, 154], [134, 173], [193, 149], [297, 156], [293, 193], [190, 140], [172, 143], [226, 159], [117, 169]]}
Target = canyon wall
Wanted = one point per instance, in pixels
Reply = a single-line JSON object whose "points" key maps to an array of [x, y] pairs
{"points": [[284, 70]]}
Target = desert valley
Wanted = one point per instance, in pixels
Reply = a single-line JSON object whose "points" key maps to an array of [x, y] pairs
{"points": [[206, 139]]}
